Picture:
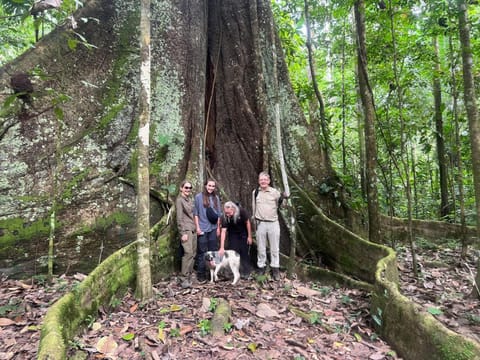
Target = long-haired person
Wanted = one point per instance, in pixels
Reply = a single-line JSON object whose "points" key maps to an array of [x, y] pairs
{"points": [[207, 212], [236, 225]]}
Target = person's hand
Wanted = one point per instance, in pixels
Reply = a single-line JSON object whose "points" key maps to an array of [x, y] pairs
{"points": [[184, 237], [199, 232], [249, 240], [220, 252]]}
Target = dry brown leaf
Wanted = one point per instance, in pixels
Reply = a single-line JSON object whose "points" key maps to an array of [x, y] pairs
{"points": [[133, 308], [377, 356], [106, 345], [265, 311], [186, 329], [6, 322], [79, 276], [247, 306], [24, 286], [307, 291]]}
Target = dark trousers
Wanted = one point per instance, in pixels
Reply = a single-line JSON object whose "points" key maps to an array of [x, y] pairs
{"points": [[239, 244], [206, 242]]}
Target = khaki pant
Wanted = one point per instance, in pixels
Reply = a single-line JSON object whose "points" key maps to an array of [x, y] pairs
{"points": [[189, 252], [268, 231]]}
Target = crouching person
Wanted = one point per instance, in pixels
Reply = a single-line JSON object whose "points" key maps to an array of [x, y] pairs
{"points": [[236, 224]]}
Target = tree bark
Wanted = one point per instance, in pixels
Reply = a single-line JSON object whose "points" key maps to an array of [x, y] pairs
{"points": [[370, 137], [442, 165], [471, 107], [144, 288], [458, 161], [318, 95], [212, 112]]}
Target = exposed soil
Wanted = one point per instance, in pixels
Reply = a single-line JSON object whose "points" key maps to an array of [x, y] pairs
{"points": [[270, 320]]}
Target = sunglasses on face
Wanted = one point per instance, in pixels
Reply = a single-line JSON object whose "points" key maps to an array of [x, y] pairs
{"points": [[187, 187]]}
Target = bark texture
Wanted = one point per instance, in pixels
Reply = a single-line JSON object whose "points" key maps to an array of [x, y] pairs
{"points": [[144, 278], [472, 114], [370, 137]]}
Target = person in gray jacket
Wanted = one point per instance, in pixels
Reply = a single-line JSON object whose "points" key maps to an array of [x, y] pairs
{"points": [[186, 227]]}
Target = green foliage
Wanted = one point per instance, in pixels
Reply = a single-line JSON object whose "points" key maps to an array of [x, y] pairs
{"points": [[11, 308], [434, 311], [205, 327], [346, 300], [162, 324], [228, 327], [174, 332], [114, 302], [213, 304], [377, 318], [315, 318], [423, 243], [400, 58], [324, 290], [90, 320], [261, 279], [18, 26], [473, 319]]}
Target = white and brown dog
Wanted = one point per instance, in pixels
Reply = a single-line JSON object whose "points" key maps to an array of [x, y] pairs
{"points": [[230, 259]]}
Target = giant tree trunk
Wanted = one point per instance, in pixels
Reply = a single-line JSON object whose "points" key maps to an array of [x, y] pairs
{"points": [[213, 93]]}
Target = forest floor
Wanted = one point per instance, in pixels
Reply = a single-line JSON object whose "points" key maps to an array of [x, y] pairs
{"points": [[287, 319]]}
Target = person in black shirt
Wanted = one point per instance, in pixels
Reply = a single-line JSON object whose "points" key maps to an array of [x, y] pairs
{"points": [[236, 224]]}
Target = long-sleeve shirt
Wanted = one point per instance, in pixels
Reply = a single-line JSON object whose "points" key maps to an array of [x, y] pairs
{"points": [[200, 211], [185, 222]]}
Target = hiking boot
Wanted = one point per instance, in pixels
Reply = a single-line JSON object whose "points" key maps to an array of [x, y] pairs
{"points": [[201, 279], [244, 276], [261, 271], [186, 284], [276, 274]]}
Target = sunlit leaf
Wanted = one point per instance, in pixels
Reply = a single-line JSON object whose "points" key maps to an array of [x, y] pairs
{"points": [[175, 307], [434, 311], [106, 345], [161, 335], [72, 43], [128, 336]]}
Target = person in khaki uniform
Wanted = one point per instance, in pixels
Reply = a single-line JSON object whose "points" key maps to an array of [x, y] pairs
{"points": [[186, 227], [265, 202]]}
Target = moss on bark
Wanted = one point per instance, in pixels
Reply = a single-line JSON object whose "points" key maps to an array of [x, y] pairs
{"points": [[64, 318], [221, 317]]}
